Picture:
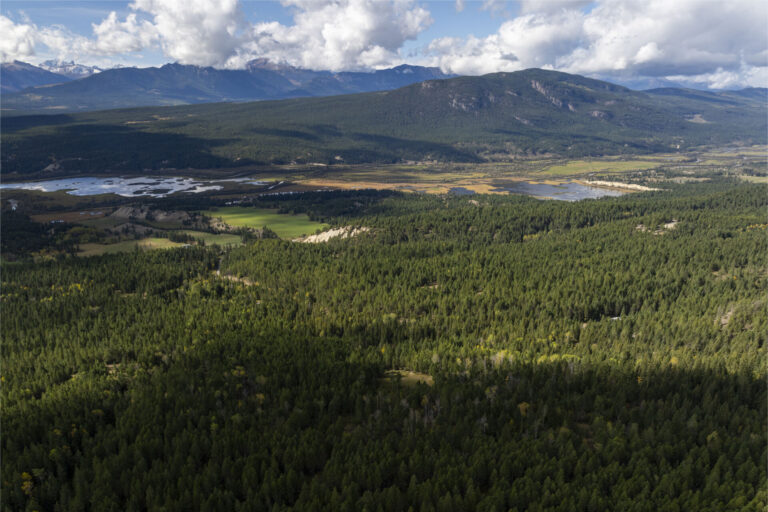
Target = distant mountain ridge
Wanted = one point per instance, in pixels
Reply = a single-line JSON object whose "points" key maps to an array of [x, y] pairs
{"points": [[494, 117], [327, 83], [16, 75], [71, 69], [177, 84]]}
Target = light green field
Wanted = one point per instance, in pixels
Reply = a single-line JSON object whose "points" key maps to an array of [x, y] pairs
{"points": [[128, 245], [755, 179], [222, 239], [589, 166], [285, 226], [712, 162]]}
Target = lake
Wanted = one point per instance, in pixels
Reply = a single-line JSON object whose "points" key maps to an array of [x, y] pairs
{"points": [[461, 191], [568, 191], [126, 187]]}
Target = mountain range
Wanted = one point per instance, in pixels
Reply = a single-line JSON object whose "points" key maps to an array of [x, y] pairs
{"points": [[465, 119], [71, 69], [16, 75], [176, 84]]}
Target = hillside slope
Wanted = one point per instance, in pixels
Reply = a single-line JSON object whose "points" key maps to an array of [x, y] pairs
{"points": [[461, 119], [16, 75]]}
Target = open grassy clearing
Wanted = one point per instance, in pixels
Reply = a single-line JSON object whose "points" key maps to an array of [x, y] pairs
{"points": [[440, 178], [755, 179], [479, 185], [222, 239], [128, 245], [711, 161], [665, 157], [759, 151], [285, 226], [399, 174], [592, 166]]}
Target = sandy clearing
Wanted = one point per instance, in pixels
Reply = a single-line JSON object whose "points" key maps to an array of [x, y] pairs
{"points": [[344, 232], [615, 184], [243, 280]]}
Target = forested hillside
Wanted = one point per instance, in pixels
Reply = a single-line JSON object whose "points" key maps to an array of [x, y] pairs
{"points": [[465, 119], [598, 355]]}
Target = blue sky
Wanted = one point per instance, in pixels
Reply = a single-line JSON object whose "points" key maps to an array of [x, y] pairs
{"points": [[78, 16], [704, 42]]}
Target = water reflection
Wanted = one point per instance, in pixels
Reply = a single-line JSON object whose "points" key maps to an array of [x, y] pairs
{"points": [[126, 187], [567, 191]]}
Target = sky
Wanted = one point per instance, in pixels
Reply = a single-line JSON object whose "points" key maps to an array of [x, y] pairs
{"points": [[707, 43]]}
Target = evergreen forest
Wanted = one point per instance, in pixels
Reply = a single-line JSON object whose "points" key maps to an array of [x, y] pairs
{"points": [[484, 352]]}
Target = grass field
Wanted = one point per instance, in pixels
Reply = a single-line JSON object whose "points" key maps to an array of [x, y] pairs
{"points": [[755, 179], [222, 239], [128, 245], [286, 226], [590, 166]]}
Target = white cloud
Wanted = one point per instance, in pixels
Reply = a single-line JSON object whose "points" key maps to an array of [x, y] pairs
{"points": [[23, 40], [551, 6], [746, 76], [344, 34], [655, 38], [201, 32], [114, 36], [18, 41], [495, 7], [530, 40], [325, 34]]}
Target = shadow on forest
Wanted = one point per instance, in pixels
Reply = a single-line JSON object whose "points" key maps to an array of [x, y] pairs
{"points": [[417, 148], [100, 147], [243, 399], [10, 123], [290, 134]]}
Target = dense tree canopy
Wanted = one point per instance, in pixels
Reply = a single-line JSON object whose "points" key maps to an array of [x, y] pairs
{"points": [[599, 355]]}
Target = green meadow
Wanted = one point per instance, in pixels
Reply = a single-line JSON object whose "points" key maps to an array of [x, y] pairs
{"points": [[590, 166], [222, 239], [93, 249], [284, 225]]}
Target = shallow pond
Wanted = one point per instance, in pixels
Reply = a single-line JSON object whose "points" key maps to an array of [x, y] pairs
{"points": [[568, 191], [461, 191], [126, 187]]}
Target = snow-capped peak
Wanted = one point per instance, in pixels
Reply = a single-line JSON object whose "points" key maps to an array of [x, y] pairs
{"points": [[70, 69]]}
